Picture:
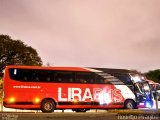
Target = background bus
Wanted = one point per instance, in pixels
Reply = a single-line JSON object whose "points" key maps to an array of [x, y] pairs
{"points": [[79, 89]]}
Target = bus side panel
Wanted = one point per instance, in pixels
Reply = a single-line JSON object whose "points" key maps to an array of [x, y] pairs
{"points": [[65, 95]]}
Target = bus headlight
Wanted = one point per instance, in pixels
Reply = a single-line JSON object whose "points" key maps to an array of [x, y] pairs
{"points": [[148, 105]]}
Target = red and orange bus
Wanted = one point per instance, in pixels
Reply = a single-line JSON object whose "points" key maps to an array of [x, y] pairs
{"points": [[76, 88]]}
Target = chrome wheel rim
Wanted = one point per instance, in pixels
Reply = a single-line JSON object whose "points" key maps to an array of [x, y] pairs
{"points": [[129, 106], [48, 106]]}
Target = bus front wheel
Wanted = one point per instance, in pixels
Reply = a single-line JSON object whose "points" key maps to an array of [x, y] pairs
{"points": [[129, 104], [47, 106]]}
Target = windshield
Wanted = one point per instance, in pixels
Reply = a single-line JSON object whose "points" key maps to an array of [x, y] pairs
{"points": [[146, 87], [139, 88], [141, 84], [142, 87], [137, 77]]}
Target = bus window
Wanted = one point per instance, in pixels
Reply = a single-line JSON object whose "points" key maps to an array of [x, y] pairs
{"points": [[100, 79], [42, 76], [31, 75], [20, 74], [66, 77], [124, 78], [82, 77]]}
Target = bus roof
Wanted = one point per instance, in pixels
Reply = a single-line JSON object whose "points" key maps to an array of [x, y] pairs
{"points": [[114, 70], [52, 68], [83, 69]]}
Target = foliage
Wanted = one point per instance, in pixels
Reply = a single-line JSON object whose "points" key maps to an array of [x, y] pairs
{"points": [[153, 75], [1, 91], [15, 52], [1, 83]]}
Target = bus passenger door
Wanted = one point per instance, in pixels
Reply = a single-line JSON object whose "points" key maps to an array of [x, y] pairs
{"points": [[143, 94]]}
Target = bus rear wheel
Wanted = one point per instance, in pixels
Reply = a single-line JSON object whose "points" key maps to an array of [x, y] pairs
{"points": [[129, 104], [48, 106]]}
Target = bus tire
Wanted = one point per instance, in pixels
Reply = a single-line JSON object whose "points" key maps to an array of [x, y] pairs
{"points": [[48, 106], [80, 110], [129, 104]]}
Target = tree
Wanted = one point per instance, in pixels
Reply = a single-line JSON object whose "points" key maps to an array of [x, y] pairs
{"points": [[15, 52], [154, 75]]}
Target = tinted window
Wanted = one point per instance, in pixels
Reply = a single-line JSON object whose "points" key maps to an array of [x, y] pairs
{"points": [[103, 78], [20, 74], [42, 75], [36, 75], [100, 79], [31, 75], [67, 77], [124, 78], [84, 77]]}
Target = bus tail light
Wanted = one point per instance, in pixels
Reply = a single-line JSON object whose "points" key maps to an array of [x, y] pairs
{"points": [[11, 100], [75, 100], [36, 100]]}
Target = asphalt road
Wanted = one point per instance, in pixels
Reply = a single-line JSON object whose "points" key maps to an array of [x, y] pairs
{"points": [[149, 115], [58, 116]]}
